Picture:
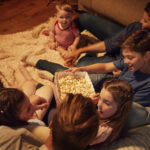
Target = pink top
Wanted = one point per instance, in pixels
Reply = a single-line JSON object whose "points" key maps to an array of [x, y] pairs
{"points": [[103, 133], [64, 37]]}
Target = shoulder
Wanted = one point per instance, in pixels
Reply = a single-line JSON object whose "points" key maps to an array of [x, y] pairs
{"points": [[134, 26], [119, 63]]}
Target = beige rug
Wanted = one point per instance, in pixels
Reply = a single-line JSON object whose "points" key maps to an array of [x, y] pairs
{"points": [[13, 48]]}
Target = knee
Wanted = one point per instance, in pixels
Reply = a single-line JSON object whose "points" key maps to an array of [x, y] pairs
{"points": [[85, 17]]}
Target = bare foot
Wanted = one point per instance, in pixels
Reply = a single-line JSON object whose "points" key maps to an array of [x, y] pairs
{"points": [[42, 51]]}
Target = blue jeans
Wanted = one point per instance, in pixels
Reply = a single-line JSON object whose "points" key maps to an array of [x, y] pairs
{"points": [[101, 27]]}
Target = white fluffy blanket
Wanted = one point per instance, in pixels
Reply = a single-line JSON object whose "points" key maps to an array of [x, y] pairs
{"points": [[14, 47]]}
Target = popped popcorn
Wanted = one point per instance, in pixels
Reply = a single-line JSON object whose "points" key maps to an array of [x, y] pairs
{"points": [[75, 85]]}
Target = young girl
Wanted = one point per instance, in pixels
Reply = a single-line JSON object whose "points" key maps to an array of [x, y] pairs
{"points": [[64, 36], [114, 105]]}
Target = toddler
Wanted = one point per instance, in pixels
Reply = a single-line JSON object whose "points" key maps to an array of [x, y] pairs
{"points": [[64, 35]]}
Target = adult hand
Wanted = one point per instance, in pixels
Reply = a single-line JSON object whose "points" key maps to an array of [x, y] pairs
{"points": [[71, 57], [38, 102]]}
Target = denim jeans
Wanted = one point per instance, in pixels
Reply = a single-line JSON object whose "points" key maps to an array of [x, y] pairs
{"points": [[99, 26]]}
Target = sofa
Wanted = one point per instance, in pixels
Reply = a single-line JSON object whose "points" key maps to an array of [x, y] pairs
{"points": [[123, 12]]}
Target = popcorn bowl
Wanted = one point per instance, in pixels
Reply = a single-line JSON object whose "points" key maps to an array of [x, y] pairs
{"points": [[75, 83]]}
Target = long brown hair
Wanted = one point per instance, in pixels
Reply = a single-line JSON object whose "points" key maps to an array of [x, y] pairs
{"points": [[123, 95], [10, 100], [75, 123]]}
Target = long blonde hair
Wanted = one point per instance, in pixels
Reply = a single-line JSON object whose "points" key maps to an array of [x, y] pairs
{"points": [[75, 123], [123, 95]]}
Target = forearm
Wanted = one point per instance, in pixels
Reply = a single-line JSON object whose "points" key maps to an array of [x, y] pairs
{"points": [[51, 37], [97, 47], [99, 68]]}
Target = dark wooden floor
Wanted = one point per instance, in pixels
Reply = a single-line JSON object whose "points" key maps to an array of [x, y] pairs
{"points": [[21, 15]]}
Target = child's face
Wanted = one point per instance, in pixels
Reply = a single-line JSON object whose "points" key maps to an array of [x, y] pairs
{"points": [[26, 110], [107, 107], [64, 18], [134, 60]]}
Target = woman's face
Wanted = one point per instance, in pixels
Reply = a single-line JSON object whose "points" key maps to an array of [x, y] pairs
{"points": [[26, 110], [107, 107]]}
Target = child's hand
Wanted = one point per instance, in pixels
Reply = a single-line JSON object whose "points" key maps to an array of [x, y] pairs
{"points": [[117, 73], [38, 102], [52, 45], [95, 98], [63, 53], [68, 64], [71, 48]]}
